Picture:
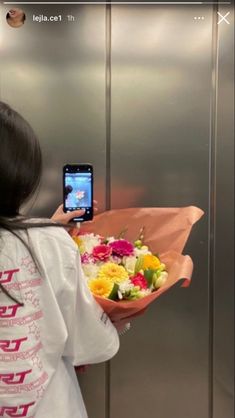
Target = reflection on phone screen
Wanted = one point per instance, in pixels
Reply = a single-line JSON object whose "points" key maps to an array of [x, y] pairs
{"points": [[77, 190]]}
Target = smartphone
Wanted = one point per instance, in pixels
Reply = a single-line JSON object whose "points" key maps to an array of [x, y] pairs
{"points": [[78, 190]]}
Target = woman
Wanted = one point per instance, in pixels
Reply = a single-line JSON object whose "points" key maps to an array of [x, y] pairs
{"points": [[49, 322], [15, 18]]}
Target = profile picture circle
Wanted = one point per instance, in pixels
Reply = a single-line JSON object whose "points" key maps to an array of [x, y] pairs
{"points": [[15, 17]]}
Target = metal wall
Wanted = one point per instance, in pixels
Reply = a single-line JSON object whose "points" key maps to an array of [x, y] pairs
{"points": [[161, 81], [223, 200], [145, 94], [55, 76]]}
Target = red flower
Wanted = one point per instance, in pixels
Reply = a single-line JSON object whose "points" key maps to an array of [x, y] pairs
{"points": [[101, 252], [122, 247], [139, 280]]}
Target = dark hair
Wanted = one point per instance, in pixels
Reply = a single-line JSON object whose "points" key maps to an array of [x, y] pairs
{"points": [[68, 189], [20, 161], [20, 173]]}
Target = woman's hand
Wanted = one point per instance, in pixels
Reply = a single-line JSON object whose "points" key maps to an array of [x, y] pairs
{"points": [[81, 369], [64, 218], [122, 324]]}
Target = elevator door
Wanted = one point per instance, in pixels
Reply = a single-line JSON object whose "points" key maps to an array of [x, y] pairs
{"points": [[54, 74], [161, 83]]}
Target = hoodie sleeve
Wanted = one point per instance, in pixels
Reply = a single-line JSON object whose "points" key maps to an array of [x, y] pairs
{"points": [[91, 336]]}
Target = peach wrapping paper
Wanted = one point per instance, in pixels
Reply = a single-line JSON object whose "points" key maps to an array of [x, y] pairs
{"points": [[166, 231]]}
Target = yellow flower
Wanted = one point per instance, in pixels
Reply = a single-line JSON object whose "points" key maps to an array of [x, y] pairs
{"points": [[79, 243], [151, 262], [113, 272], [100, 287], [77, 239]]}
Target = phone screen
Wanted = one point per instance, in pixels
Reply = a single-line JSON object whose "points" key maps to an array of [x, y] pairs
{"points": [[78, 189]]}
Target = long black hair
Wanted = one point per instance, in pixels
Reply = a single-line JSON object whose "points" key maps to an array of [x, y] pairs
{"points": [[20, 173]]}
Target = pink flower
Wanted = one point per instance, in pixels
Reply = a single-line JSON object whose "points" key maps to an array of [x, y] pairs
{"points": [[101, 252], [139, 280], [122, 247], [86, 258]]}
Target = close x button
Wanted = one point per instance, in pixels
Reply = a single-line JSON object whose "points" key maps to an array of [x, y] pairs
{"points": [[222, 18]]}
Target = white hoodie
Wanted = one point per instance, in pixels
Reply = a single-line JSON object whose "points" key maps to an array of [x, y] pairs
{"points": [[60, 325]]}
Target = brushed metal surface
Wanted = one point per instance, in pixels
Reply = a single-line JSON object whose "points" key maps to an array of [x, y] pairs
{"points": [[161, 68], [224, 234], [54, 74], [161, 81]]}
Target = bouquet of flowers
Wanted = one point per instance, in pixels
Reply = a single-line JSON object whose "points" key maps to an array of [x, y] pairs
{"points": [[116, 269], [126, 274]]}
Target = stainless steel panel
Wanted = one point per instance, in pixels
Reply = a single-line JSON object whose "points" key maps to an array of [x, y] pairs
{"points": [[224, 232], [161, 86], [54, 74]]}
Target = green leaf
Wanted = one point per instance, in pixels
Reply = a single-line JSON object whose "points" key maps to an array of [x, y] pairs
{"points": [[149, 275], [113, 293]]}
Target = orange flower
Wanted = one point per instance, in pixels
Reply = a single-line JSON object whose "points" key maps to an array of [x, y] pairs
{"points": [[151, 262], [79, 243], [77, 240]]}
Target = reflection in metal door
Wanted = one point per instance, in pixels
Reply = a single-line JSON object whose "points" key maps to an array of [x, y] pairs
{"points": [[145, 94]]}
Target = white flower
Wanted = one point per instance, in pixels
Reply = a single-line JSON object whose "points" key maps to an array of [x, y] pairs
{"points": [[89, 241], [129, 263], [110, 239], [90, 270], [125, 286], [115, 259], [145, 292], [141, 251], [161, 280]]}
